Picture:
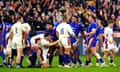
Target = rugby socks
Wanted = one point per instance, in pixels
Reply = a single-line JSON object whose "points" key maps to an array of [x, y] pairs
{"points": [[79, 60], [61, 59], [101, 60], [97, 60], [73, 61], [3, 55], [111, 61], [33, 59], [9, 58], [67, 58], [50, 59], [21, 60], [87, 63]]}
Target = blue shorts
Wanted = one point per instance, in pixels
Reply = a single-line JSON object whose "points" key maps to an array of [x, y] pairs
{"points": [[92, 42], [72, 40]]}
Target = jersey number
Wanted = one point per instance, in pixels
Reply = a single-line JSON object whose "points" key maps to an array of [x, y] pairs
{"points": [[62, 31]]}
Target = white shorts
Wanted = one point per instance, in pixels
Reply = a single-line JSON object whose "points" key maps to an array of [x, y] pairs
{"points": [[107, 46], [65, 42], [9, 47], [43, 55], [17, 43]]}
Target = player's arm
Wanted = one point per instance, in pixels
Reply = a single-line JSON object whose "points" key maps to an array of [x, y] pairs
{"points": [[71, 31], [93, 31], [10, 33], [52, 43], [57, 34]]}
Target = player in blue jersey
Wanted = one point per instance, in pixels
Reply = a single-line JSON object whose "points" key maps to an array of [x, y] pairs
{"points": [[100, 37], [77, 28], [5, 28], [52, 31], [92, 41]]}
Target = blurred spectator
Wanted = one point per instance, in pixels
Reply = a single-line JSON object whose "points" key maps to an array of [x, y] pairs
{"points": [[37, 12]]}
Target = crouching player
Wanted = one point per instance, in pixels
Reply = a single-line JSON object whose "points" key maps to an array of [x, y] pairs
{"points": [[109, 43], [45, 43], [35, 45]]}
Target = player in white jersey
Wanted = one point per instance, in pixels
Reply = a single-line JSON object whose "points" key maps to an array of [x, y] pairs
{"points": [[35, 41], [63, 33], [109, 43], [17, 42], [35, 44], [8, 49], [45, 43]]}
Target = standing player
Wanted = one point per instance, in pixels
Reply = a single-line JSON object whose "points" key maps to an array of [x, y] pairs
{"points": [[63, 32], [77, 28], [109, 43], [17, 31], [92, 41], [8, 49], [100, 36]]}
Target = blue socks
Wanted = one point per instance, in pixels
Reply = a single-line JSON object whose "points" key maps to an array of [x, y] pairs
{"points": [[111, 61], [50, 59], [3, 55], [101, 60], [61, 59], [67, 58], [21, 60], [79, 60]]}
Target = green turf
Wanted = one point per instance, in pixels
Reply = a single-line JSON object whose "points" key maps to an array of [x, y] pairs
{"points": [[56, 69]]}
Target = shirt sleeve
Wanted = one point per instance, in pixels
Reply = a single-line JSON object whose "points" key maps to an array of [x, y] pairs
{"points": [[70, 30]]}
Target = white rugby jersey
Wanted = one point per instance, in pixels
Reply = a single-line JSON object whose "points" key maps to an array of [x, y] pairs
{"points": [[64, 30], [18, 30], [109, 33], [27, 26], [37, 38]]}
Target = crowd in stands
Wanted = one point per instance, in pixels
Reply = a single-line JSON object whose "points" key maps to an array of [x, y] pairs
{"points": [[37, 12]]}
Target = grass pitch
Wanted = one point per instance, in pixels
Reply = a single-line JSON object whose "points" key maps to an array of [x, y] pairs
{"points": [[56, 69]]}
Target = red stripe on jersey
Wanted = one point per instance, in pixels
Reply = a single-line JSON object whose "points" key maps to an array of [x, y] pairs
{"points": [[41, 54], [68, 41], [23, 38], [37, 40], [91, 41], [106, 44]]}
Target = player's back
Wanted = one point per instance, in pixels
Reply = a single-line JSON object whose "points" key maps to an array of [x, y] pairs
{"points": [[37, 37], [17, 29], [64, 30]]}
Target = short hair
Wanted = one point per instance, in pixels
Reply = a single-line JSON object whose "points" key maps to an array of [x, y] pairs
{"points": [[110, 21], [93, 17], [19, 17], [46, 34]]}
